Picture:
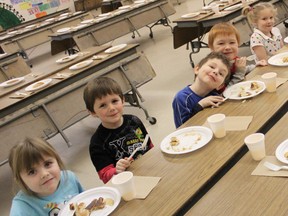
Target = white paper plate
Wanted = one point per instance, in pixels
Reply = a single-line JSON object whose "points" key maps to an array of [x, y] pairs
{"points": [[12, 32], [139, 2], [105, 14], [100, 19], [64, 14], [30, 26], [77, 12], [64, 30], [190, 15], [87, 21], [233, 92], [38, 85], [2, 55], [5, 36], [281, 150], [89, 195], [66, 58], [11, 82], [81, 65], [125, 7], [119, 12], [50, 20], [277, 60], [80, 26], [190, 139], [115, 48], [62, 17], [233, 7], [138, 5]]}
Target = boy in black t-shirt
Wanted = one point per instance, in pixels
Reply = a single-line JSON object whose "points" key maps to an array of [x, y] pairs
{"points": [[118, 135]]}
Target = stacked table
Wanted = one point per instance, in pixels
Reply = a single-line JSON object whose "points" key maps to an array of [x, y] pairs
{"points": [[44, 113]]}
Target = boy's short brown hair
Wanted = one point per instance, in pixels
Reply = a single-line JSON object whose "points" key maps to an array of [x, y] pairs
{"points": [[98, 88], [217, 55], [223, 28]]}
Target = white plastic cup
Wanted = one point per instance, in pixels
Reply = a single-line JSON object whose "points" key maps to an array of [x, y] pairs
{"points": [[256, 145], [215, 9], [124, 182], [217, 124], [270, 81]]}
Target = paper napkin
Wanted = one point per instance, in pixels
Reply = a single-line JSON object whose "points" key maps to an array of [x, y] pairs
{"points": [[143, 184], [235, 123], [261, 170]]}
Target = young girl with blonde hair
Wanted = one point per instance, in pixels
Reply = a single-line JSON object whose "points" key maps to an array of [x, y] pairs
{"points": [[266, 39], [44, 183]]}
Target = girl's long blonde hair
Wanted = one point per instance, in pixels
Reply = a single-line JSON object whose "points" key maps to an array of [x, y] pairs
{"points": [[26, 154], [252, 13]]}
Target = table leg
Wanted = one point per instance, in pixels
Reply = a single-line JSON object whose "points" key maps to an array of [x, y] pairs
{"points": [[132, 97], [56, 125]]}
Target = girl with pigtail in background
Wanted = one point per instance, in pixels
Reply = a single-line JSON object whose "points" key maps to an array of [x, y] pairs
{"points": [[266, 39]]}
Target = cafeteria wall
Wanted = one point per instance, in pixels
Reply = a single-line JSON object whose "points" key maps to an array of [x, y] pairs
{"points": [[15, 11]]}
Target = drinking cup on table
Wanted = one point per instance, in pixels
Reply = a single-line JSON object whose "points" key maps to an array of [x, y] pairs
{"points": [[217, 124], [124, 182], [256, 145], [270, 81], [215, 9]]}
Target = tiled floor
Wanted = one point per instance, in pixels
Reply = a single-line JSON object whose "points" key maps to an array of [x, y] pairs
{"points": [[173, 73]]}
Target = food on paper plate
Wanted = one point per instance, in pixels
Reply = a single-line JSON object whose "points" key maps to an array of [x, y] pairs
{"points": [[243, 93], [254, 86], [82, 210], [285, 59], [174, 141], [196, 135], [38, 84], [189, 139], [286, 155]]}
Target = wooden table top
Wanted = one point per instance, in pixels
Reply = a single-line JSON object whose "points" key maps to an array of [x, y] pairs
{"points": [[129, 14], [208, 18], [240, 193], [6, 103], [184, 177], [23, 32]]}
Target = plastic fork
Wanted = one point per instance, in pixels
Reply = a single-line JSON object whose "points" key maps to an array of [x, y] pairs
{"points": [[274, 167], [140, 147]]}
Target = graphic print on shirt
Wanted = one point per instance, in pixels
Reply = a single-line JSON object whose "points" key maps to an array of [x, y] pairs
{"points": [[126, 145], [56, 207]]}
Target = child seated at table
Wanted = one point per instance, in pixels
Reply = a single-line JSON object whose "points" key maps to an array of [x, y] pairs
{"points": [[118, 135], [266, 40], [225, 38], [210, 73], [45, 184]]}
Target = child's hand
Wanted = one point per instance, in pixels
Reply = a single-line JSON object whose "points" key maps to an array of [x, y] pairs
{"points": [[122, 165], [262, 62], [213, 101], [240, 63]]}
